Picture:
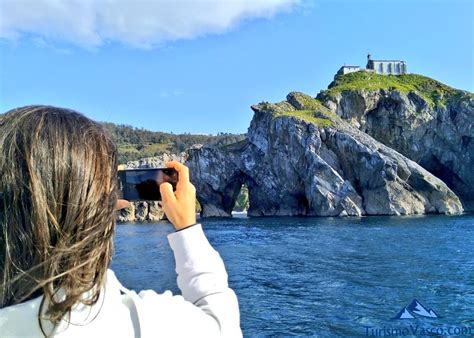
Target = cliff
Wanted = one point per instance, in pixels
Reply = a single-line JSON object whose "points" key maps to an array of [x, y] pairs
{"points": [[301, 158], [425, 120]]}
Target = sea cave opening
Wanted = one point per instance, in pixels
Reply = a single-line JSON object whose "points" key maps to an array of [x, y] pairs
{"points": [[242, 204]]}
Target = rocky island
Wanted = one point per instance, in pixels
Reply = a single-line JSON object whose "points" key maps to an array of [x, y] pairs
{"points": [[368, 145]]}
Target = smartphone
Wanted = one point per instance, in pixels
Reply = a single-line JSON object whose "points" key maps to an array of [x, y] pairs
{"points": [[144, 184]]}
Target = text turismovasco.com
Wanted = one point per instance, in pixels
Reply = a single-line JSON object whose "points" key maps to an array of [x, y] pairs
{"points": [[416, 330]]}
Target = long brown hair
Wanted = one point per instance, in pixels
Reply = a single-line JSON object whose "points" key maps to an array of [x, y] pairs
{"points": [[57, 200]]}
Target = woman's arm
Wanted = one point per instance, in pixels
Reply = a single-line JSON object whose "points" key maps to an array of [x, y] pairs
{"points": [[207, 308], [202, 277]]}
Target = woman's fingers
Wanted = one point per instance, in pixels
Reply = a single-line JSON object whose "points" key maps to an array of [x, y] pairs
{"points": [[122, 204], [167, 194], [183, 172]]}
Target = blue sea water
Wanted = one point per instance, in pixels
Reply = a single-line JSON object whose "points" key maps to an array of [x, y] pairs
{"points": [[325, 276]]}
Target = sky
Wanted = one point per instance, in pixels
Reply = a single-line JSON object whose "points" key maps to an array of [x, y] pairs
{"points": [[198, 66]]}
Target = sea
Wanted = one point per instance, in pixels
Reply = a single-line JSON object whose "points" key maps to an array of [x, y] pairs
{"points": [[326, 277]]}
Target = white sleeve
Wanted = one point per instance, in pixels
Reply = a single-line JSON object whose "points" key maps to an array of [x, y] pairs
{"points": [[202, 279], [207, 307]]}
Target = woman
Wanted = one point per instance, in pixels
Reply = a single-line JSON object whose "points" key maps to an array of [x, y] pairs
{"points": [[58, 196]]}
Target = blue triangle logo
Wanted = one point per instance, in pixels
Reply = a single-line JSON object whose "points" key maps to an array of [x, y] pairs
{"points": [[416, 310]]}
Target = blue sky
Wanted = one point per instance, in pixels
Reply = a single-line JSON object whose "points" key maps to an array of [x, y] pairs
{"points": [[200, 69]]}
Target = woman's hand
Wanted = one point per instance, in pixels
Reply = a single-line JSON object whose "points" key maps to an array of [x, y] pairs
{"points": [[180, 205]]}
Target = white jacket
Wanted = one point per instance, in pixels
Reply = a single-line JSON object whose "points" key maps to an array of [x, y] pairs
{"points": [[207, 307]]}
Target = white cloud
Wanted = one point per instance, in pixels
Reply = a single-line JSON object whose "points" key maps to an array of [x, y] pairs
{"points": [[42, 43], [139, 23]]}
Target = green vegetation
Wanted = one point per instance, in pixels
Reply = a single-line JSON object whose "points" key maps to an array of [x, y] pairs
{"points": [[308, 116], [239, 144], [308, 109], [434, 92], [306, 102], [198, 207], [242, 201], [135, 143]]}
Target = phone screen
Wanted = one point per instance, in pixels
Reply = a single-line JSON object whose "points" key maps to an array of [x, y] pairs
{"points": [[144, 184]]}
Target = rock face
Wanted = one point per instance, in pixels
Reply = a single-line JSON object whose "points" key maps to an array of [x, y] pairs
{"points": [[302, 159], [437, 135], [145, 211]]}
